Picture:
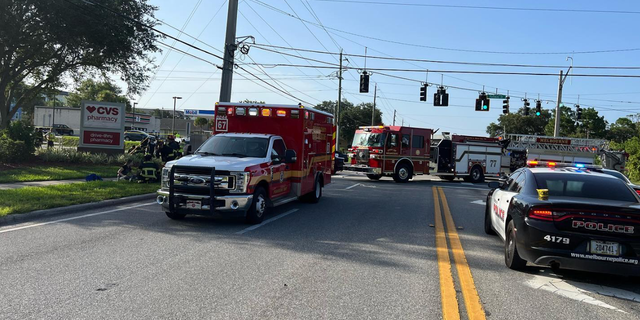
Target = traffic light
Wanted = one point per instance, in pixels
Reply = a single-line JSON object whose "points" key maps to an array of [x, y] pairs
{"points": [[526, 107], [441, 98], [423, 92], [538, 107], [483, 102], [364, 82], [578, 112], [505, 106]]}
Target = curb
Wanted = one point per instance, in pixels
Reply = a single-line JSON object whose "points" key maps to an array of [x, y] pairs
{"points": [[19, 217]]}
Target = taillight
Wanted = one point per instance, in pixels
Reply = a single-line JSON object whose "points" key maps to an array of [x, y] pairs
{"points": [[540, 214], [638, 192]]}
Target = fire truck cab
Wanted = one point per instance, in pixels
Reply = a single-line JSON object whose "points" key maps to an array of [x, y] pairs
{"points": [[468, 157], [400, 152], [260, 156]]}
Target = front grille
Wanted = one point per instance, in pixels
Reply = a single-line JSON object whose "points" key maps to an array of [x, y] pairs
{"points": [[362, 156], [197, 180]]}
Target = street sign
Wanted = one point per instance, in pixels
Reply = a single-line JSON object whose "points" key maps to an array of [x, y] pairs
{"points": [[496, 96]]}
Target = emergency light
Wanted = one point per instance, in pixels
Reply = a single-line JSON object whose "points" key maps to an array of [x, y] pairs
{"points": [[240, 111], [281, 113], [266, 112], [253, 112]]}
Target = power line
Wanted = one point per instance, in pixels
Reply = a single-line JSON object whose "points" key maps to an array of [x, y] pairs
{"points": [[270, 7], [480, 7], [261, 46]]}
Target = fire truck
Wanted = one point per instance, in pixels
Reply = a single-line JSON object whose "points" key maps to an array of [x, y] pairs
{"points": [[523, 148], [400, 152], [469, 157], [260, 156]]}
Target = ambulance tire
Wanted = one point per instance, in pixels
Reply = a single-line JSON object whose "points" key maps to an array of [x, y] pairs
{"points": [[374, 176], [175, 215], [476, 175], [259, 207], [315, 195], [403, 173], [511, 257]]}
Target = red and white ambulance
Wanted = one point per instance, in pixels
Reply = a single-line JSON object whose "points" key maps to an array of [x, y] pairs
{"points": [[260, 156]]}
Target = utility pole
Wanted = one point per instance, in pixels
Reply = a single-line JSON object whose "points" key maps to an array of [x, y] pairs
{"points": [[337, 117], [394, 117], [556, 128], [173, 121], [373, 112], [229, 51]]}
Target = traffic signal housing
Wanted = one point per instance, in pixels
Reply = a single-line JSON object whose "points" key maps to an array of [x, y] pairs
{"points": [[538, 107], [441, 98], [505, 106], [526, 107], [483, 103], [364, 82], [578, 112], [423, 92]]}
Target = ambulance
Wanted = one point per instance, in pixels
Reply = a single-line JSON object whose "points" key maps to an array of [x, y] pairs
{"points": [[260, 156]]}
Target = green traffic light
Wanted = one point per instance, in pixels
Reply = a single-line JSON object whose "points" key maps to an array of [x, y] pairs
{"points": [[485, 107], [537, 113]]}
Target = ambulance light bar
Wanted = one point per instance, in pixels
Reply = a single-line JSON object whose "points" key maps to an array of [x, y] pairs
{"points": [[253, 112], [240, 111]]}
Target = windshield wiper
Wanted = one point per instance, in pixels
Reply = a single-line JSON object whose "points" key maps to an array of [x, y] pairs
{"points": [[239, 155], [205, 153]]}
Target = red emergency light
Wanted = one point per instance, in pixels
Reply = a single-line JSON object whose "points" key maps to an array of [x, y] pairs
{"points": [[551, 164]]}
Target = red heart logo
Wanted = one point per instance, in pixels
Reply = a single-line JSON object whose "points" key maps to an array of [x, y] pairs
{"points": [[91, 109]]}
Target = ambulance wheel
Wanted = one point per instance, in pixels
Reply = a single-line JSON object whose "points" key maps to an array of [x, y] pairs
{"points": [[259, 207], [511, 257], [315, 195], [175, 215], [403, 173], [476, 175], [374, 176]]}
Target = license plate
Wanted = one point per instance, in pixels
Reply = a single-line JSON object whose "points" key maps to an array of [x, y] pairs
{"points": [[194, 204], [604, 247]]}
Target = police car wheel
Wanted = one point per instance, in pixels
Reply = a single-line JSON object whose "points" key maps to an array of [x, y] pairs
{"points": [[374, 176], [488, 229], [511, 257], [175, 216], [258, 208]]}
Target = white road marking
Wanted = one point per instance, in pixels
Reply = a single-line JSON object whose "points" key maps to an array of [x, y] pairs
{"points": [[267, 221], [351, 187], [479, 202], [567, 290], [74, 218]]}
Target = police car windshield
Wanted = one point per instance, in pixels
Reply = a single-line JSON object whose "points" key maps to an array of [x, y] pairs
{"points": [[584, 186], [235, 147], [368, 139]]}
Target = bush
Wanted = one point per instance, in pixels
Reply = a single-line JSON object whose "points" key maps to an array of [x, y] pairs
{"points": [[74, 156], [69, 141], [129, 144], [14, 151]]}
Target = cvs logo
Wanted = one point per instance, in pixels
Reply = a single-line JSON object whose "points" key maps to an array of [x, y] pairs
{"points": [[109, 110]]}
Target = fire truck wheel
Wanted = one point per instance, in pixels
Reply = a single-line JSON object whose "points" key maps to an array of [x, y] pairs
{"points": [[175, 215], [403, 173], [476, 175], [258, 208], [374, 176]]}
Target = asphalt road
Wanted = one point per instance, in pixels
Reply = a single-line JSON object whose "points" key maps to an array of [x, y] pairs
{"points": [[368, 250]]}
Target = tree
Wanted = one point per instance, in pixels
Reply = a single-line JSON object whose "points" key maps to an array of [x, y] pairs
{"points": [[567, 122], [518, 123], [352, 117], [201, 122], [161, 114], [44, 42], [89, 89], [592, 125], [622, 130]]}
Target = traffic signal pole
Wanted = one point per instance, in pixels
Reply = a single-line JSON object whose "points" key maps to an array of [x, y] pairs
{"points": [[229, 50], [337, 115], [556, 127]]}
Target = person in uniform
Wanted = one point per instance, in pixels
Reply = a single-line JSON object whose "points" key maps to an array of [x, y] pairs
{"points": [[148, 170]]}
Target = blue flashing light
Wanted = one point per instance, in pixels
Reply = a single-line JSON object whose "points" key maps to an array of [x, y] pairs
{"points": [[579, 165]]}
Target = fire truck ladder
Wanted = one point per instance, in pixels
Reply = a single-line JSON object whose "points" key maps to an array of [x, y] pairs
{"points": [[530, 142]]}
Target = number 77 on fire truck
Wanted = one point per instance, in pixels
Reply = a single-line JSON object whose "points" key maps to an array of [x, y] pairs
{"points": [[403, 152]]}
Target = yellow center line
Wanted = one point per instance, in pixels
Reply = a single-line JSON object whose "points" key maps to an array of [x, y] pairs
{"points": [[469, 292], [448, 297]]}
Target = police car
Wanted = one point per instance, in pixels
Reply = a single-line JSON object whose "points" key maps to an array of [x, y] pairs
{"points": [[566, 217]]}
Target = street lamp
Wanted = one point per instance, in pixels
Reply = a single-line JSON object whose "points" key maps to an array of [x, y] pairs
{"points": [[134, 115], [173, 122]]}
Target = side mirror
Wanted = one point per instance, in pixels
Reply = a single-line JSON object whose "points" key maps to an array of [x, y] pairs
{"points": [[290, 156], [495, 185]]}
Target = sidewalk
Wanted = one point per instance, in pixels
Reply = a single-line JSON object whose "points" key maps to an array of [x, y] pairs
{"points": [[17, 185]]}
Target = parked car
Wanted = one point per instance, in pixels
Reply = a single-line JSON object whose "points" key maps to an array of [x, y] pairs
{"points": [[622, 177], [339, 162], [135, 135], [62, 129]]}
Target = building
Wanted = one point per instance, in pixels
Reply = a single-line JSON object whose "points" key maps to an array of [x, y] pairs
{"points": [[184, 127]]}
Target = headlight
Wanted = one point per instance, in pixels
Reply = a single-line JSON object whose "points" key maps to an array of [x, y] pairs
{"points": [[165, 177], [242, 181]]}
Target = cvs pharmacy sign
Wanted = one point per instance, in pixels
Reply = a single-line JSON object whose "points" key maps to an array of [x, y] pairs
{"points": [[102, 116]]}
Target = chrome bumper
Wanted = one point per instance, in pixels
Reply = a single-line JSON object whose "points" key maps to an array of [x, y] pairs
{"points": [[362, 168], [232, 203]]}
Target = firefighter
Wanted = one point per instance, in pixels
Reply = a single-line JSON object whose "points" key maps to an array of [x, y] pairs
{"points": [[165, 152], [148, 170], [51, 137]]}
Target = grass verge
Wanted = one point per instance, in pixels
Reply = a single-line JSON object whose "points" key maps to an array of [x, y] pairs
{"points": [[29, 199], [55, 172]]}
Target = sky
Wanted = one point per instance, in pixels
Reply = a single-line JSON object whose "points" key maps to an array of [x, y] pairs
{"points": [[401, 29]]}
